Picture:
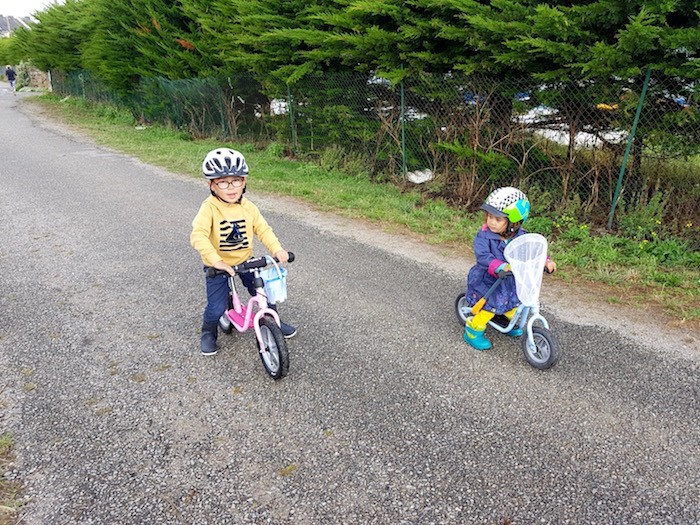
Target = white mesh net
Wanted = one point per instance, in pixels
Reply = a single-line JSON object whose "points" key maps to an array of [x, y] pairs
{"points": [[526, 255]]}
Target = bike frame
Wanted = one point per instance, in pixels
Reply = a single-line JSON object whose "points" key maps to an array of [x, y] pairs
{"points": [[242, 316], [524, 315]]}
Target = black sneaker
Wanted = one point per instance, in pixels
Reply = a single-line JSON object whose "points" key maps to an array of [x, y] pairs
{"points": [[208, 339], [501, 320], [288, 331]]}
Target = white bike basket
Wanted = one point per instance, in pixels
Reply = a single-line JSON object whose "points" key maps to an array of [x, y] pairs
{"points": [[526, 255], [275, 279]]}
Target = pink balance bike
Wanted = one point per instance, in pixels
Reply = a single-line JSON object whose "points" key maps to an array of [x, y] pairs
{"points": [[257, 314]]}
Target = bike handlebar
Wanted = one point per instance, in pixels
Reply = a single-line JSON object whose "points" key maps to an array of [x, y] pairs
{"points": [[250, 264]]}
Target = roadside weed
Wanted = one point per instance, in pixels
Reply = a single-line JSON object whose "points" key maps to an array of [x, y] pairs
{"points": [[9, 490]]}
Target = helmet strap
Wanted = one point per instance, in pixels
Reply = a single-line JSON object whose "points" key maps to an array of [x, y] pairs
{"points": [[512, 228]]}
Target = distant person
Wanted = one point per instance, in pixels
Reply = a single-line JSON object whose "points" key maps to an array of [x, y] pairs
{"points": [[10, 75]]}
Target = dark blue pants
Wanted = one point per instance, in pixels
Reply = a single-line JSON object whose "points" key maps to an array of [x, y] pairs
{"points": [[217, 294]]}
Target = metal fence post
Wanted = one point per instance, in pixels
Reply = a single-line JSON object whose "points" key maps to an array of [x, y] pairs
{"points": [[81, 77], [629, 147], [403, 129], [291, 120]]}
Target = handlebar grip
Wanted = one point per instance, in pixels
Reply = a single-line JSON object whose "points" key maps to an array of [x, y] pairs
{"points": [[291, 257]]}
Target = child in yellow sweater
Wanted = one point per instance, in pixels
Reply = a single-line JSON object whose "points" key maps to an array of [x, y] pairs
{"points": [[222, 233]]}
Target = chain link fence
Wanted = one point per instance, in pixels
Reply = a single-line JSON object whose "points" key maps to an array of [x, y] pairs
{"points": [[569, 144]]}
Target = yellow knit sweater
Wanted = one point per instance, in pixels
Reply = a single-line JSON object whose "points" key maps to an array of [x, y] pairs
{"points": [[224, 231]]}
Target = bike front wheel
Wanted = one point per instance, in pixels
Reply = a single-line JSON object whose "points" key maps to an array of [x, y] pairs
{"points": [[273, 352], [545, 354]]}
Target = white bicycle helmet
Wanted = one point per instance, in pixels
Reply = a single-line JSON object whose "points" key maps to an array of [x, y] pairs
{"points": [[224, 162]]}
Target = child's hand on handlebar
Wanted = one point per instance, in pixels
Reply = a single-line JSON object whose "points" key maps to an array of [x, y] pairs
{"points": [[282, 256], [504, 271], [221, 265], [550, 266]]}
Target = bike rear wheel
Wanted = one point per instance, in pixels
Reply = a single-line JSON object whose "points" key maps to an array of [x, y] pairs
{"points": [[462, 309], [225, 324], [274, 353], [546, 351]]}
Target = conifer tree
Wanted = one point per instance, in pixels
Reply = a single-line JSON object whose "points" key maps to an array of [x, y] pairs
{"points": [[54, 42], [597, 39], [395, 37], [266, 37], [140, 38]]}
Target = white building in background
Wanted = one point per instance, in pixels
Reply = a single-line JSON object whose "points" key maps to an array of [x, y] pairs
{"points": [[9, 23]]}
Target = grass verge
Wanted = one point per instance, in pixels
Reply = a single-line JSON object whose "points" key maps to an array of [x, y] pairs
{"points": [[661, 276], [9, 490]]}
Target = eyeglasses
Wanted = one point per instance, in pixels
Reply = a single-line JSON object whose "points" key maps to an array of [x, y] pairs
{"points": [[235, 182]]}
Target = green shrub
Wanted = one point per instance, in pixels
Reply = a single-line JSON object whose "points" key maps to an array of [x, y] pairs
{"points": [[541, 200], [541, 225], [23, 77], [115, 115], [643, 222], [671, 252], [667, 279], [331, 158], [276, 149], [349, 162]]}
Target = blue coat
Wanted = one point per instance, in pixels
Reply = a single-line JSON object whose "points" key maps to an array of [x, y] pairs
{"points": [[488, 251]]}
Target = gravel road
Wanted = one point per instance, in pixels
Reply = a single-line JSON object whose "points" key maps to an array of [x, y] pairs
{"points": [[386, 416]]}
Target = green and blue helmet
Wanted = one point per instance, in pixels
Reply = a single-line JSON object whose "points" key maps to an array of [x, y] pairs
{"points": [[511, 203]]}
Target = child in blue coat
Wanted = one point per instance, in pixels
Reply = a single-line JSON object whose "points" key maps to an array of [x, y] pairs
{"points": [[506, 210]]}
